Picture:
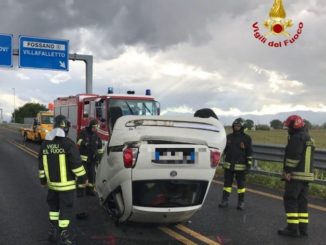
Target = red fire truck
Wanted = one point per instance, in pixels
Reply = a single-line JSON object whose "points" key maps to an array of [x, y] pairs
{"points": [[82, 108]]}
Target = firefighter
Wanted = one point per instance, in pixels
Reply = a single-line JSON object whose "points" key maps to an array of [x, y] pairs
{"points": [[35, 123], [297, 173], [59, 166], [237, 162], [91, 151]]}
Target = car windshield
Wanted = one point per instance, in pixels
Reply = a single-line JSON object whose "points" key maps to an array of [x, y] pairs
{"points": [[135, 107], [47, 119]]}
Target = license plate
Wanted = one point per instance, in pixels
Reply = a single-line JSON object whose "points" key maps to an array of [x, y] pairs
{"points": [[174, 156]]}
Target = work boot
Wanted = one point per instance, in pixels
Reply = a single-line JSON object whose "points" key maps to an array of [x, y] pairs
{"points": [[225, 199], [224, 204], [303, 229], [240, 201], [66, 238], [240, 205], [90, 191], [53, 233], [289, 231]]}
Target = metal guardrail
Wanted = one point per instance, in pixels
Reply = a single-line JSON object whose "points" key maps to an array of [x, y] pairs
{"points": [[275, 153], [15, 125]]}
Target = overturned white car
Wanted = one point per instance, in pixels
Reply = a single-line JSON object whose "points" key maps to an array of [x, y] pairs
{"points": [[158, 168]]}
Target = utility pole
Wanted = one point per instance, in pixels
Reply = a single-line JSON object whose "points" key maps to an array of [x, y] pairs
{"points": [[1, 116], [14, 116]]}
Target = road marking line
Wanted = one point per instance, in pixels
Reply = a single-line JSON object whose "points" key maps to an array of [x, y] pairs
{"points": [[24, 148], [273, 196], [176, 235], [196, 235]]}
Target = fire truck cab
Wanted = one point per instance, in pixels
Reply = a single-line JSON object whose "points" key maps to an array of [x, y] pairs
{"points": [[82, 108]]}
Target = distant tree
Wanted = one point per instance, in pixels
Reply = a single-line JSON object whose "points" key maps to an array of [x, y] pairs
{"points": [[315, 126], [323, 125], [249, 124], [308, 124], [263, 127], [28, 110], [276, 124]]}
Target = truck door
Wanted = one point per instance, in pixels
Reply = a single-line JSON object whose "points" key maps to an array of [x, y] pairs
{"points": [[101, 116]]}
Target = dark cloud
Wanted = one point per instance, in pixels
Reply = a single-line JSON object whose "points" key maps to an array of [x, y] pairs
{"points": [[212, 35], [155, 24]]}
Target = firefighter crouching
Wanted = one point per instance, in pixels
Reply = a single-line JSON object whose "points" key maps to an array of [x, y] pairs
{"points": [[91, 151], [297, 173], [59, 166], [237, 162]]}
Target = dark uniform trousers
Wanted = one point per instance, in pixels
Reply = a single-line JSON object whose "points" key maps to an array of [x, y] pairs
{"points": [[240, 177], [61, 207], [296, 203], [90, 170]]}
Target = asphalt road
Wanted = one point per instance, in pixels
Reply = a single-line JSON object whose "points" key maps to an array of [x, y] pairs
{"points": [[24, 213]]}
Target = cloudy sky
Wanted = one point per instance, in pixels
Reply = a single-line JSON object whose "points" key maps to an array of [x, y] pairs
{"points": [[191, 54]]}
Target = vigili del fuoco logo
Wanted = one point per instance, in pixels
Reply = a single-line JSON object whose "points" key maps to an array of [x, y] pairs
{"points": [[277, 27]]}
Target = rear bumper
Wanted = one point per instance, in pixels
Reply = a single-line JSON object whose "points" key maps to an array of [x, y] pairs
{"points": [[162, 215]]}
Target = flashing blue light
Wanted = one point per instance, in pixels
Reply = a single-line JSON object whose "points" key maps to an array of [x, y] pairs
{"points": [[110, 90], [148, 92]]}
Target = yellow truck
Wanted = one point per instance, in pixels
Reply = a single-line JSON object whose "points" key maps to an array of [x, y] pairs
{"points": [[43, 123]]}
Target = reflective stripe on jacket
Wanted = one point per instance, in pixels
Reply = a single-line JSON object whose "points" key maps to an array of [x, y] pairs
{"points": [[236, 167], [298, 158], [60, 164], [90, 146], [238, 151]]}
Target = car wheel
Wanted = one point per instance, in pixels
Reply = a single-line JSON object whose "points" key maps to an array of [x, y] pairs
{"points": [[112, 210]]}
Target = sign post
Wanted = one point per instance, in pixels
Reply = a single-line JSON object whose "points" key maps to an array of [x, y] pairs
{"points": [[5, 50], [43, 53]]}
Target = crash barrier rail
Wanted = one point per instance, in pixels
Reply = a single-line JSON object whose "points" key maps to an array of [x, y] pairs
{"points": [[16, 125], [275, 153]]}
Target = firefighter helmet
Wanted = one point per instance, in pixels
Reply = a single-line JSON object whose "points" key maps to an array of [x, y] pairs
{"points": [[239, 121], [93, 123], [294, 121], [61, 121]]}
